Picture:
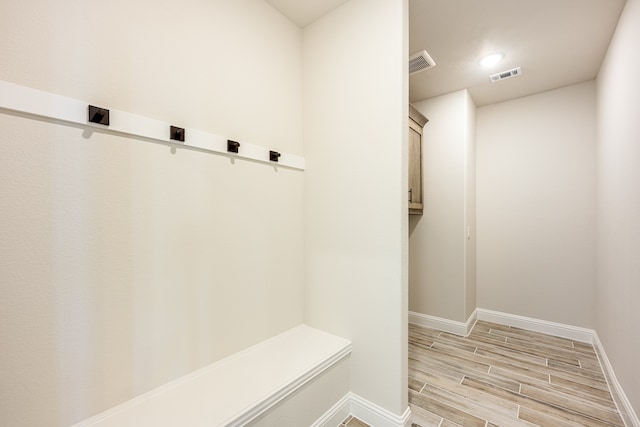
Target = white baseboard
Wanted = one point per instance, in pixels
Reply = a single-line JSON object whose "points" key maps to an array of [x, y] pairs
{"points": [[536, 325], [370, 413], [458, 328], [622, 402]]}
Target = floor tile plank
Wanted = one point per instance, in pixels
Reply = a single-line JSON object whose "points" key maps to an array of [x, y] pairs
{"points": [[576, 371], [575, 404], [532, 404], [446, 411], [424, 418], [599, 392], [416, 385], [541, 419], [502, 414]]}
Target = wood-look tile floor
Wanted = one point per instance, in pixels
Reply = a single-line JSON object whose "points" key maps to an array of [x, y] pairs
{"points": [[502, 376], [352, 421]]}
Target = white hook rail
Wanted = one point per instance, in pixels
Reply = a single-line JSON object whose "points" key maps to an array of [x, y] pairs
{"points": [[40, 103]]}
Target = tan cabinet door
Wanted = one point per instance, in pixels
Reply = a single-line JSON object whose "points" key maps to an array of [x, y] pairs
{"points": [[415, 168]]}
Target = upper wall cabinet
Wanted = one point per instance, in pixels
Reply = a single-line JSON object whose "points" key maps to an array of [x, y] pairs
{"points": [[416, 124]]}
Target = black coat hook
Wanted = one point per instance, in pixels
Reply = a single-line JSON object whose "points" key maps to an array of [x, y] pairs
{"points": [[232, 146], [176, 133], [98, 115], [273, 156]]}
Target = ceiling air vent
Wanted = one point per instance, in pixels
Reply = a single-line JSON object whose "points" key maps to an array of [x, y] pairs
{"points": [[515, 72], [420, 61]]}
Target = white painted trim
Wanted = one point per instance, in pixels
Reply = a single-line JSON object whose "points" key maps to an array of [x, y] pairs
{"points": [[445, 325], [338, 413], [288, 389], [370, 413], [574, 333], [44, 104], [620, 398], [471, 321], [377, 416]]}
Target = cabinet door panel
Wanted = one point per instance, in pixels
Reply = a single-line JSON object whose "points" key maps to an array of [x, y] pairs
{"points": [[415, 171]]}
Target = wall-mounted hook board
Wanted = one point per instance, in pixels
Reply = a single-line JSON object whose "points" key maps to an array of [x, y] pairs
{"points": [[44, 104]]}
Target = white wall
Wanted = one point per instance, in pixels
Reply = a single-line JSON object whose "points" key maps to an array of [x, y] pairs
{"points": [[125, 265], [441, 259], [470, 285], [536, 171], [618, 278], [356, 107]]}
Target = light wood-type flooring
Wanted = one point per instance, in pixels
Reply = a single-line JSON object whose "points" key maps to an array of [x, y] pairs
{"points": [[352, 421], [503, 376]]}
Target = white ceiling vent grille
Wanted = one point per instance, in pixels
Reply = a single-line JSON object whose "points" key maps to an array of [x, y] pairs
{"points": [[420, 61], [515, 72]]}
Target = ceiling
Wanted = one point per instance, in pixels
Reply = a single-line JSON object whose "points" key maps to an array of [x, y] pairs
{"points": [[304, 12], [555, 42]]}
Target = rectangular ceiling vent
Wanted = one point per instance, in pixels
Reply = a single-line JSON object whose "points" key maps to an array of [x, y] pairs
{"points": [[420, 61], [515, 72]]}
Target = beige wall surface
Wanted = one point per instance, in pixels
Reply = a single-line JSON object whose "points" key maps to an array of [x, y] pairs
{"points": [[125, 265], [470, 280], [618, 277], [438, 249], [355, 106], [536, 171]]}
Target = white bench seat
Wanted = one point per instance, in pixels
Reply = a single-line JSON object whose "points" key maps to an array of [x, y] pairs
{"points": [[236, 390]]}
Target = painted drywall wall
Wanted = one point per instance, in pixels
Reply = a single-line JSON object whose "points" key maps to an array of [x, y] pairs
{"points": [[441, 259], [470, 261], [355, 115], [536, 203], [125, 264], [618, 266]]}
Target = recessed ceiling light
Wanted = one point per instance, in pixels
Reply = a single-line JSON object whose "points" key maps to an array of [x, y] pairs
{"points": [[491, 60]]}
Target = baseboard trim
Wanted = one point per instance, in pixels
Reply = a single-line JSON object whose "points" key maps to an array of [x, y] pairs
{"points": [[471, 321], [375, 415], [454, 327], [627, 412], [370, 413], [574, 333]]}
